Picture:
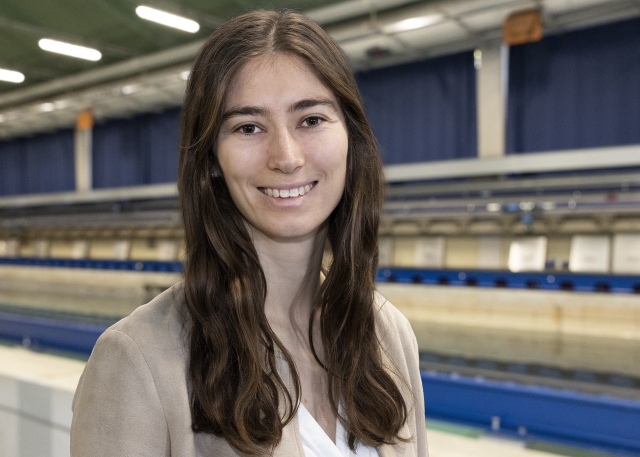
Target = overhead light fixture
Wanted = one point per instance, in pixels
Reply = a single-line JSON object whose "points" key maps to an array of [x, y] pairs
{"points": [[168, 19], [129, 89], [184, 75], [412, 23], [68, 49], [11, 76], [46, 107]]}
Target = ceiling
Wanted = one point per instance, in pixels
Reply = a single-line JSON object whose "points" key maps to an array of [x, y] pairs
{"points": [[111, 26], [144, 65]]}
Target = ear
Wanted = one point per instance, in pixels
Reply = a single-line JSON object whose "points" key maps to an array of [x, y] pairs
{"points": [[216, 171]]}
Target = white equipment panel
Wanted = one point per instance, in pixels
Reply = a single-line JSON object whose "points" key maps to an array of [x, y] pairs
{"points": [[528, 254], [429, 252], [590, 253]]}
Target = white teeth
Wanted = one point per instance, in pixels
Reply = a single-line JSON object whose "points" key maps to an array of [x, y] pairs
{"points": [[287, 193]]}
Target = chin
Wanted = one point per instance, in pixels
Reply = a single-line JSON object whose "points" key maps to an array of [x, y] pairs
{"points": [[292, 231], [292, 234]]}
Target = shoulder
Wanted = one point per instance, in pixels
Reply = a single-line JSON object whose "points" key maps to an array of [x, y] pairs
{"points": [[155, 335], [134, 389], [161, 320], [400, 348], [395, 335], [389, 320], [158, 330], [122, 405], [150, 343]]}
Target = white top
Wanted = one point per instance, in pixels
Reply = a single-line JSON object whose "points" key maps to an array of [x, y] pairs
{"points": [[316, 443]]}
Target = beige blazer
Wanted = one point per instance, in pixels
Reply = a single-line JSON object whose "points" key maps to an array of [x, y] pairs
{"points": [[133, 397]]}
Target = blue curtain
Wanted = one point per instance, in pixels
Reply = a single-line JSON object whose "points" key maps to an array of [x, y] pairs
{"points": [[423, 111], [37, 164], [140, 150], [164, 136], [576, 90], [12, 173]]}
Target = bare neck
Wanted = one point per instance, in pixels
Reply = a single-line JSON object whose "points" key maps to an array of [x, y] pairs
{"points": [[292, 272]]}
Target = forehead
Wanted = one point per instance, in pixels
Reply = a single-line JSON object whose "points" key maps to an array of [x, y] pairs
{"points": [[274, 76]]}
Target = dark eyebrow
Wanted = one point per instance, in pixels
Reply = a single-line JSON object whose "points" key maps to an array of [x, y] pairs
{"points": [[245, 111], [297, 106], [310, 103]]}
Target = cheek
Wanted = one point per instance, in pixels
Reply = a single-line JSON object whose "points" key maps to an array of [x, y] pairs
{"points": [[235, 163], [331, 154]]}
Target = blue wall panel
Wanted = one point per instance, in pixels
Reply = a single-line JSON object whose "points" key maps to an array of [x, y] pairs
{"points": [[12, 181], [424, 110], [576, 90], [37, 164], [136, 151], [116, 154], [164, 136], [50, 162]]}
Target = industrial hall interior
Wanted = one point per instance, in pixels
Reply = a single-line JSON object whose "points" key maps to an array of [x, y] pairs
{"points": [[509, 236]]}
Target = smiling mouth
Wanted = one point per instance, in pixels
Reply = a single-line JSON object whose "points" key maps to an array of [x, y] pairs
{"points": [[287, 193]]}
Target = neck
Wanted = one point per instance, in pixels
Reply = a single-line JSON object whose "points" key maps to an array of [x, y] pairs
{"points": [[292, 272]]}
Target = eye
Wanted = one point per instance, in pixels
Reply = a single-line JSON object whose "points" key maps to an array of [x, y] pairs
{"points": [[312, 121], [249, 129]]}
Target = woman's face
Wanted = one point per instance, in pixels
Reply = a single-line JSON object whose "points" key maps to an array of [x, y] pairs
{"points": [[282, 147]]}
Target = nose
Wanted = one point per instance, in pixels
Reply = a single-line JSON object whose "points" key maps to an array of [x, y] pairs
{"points": [[285, 153]]}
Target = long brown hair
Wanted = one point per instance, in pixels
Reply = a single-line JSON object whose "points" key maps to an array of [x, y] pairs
{"points": [[237, 392]]}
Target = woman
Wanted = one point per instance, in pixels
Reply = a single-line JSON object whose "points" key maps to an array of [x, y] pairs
{"points": [[259, 351]]}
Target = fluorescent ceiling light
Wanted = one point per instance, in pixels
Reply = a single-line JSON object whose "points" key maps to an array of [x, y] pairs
{"points": [[46, 107], [412, 23], [184, 75], [11, 76], [129, 89], [168, 19], [68, 49]]}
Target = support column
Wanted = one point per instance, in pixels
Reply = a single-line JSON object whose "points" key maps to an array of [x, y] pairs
{"points": [[492, 76], [84, 151]]}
